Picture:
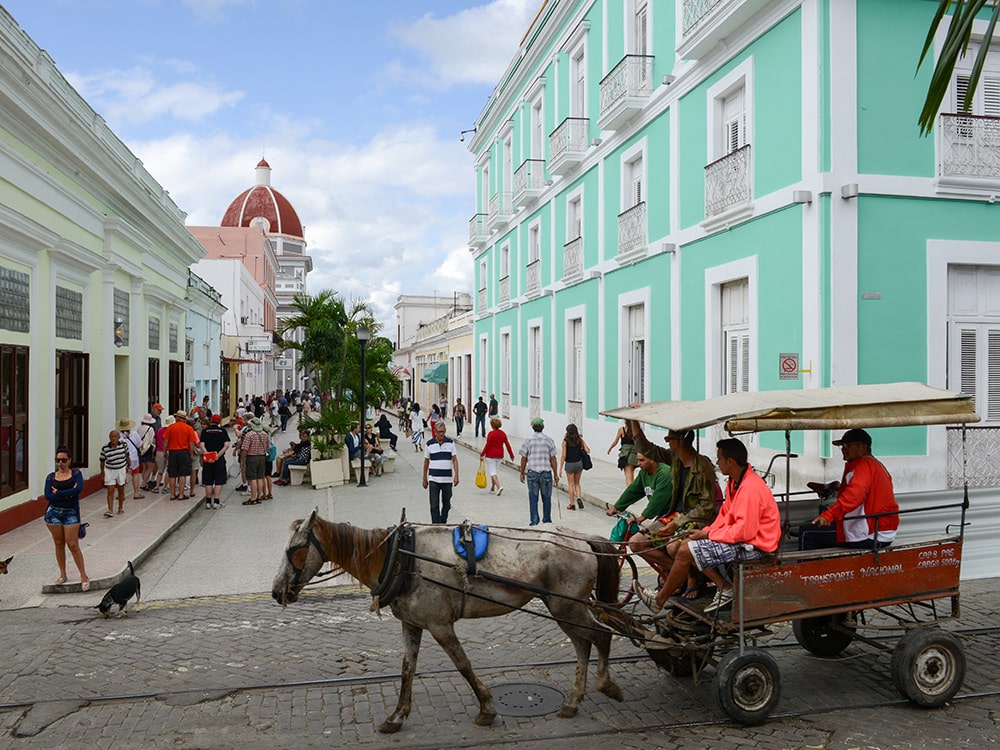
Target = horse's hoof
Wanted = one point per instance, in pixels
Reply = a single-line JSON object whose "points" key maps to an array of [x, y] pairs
{"points": [[485, 719], [566, 712], [390, 727]]}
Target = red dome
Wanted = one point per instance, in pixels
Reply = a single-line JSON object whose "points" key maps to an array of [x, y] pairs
{"points": [[263, 201]]}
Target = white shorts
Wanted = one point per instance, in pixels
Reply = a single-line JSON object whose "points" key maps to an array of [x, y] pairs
{"points": [[492, 465], [114, 477]]}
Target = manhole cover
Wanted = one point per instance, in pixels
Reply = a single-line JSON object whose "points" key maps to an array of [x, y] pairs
{"points": [[526, 699]]}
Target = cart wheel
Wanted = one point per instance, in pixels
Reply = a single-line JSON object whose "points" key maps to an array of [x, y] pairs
{"points": [[928, 666], [749, 685], [627, 593], [824, 636]]}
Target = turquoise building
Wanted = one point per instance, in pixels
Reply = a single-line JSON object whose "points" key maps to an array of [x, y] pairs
{"points": [[680, 199]]}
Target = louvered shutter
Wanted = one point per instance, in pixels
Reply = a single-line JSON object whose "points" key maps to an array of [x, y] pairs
{"points": [[992, 410], [734, 122]]}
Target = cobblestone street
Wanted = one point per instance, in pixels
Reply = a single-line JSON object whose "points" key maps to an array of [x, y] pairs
{"points": [[234, 671]]}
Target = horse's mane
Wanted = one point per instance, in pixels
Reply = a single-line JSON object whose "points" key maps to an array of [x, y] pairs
{"points": [[360, 552]]}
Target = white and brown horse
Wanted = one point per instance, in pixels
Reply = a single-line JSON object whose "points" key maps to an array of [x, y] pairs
{"points": [[559, 568]]}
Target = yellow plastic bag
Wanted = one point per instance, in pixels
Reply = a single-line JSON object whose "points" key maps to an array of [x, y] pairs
{"points": [[481, 475]]}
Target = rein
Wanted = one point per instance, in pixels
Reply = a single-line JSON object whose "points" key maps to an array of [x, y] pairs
{"points": [[292, 551]]}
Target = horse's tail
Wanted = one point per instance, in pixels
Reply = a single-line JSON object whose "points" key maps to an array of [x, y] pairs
{"points": [[608, 570]]}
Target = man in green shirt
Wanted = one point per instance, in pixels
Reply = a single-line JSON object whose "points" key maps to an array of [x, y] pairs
{"points": [[653, 482]]}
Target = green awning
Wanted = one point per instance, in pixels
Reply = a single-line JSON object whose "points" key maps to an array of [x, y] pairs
{"points": [[436, 373]]}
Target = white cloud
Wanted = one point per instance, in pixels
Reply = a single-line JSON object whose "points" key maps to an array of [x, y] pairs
{"points": [[472, 46], [136, 96]]}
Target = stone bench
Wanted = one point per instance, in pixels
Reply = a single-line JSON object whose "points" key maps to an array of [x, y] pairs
{"points": [[297, 474], [389, 465]]}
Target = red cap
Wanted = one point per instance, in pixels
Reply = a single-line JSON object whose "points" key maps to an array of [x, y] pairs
{"points": [[156, 406], [216, 419]]}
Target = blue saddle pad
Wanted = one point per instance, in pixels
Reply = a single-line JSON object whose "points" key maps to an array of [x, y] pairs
{"points": [[480, 540]]}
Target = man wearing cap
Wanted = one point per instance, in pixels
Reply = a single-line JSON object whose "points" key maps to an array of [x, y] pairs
{"points": [[254, 447], [180, 440], [156, 410], [865, 493], [539, 467], [695, 490], [215, 443]]}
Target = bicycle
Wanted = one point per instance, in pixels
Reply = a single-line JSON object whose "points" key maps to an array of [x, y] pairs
{"points": [[626, 555]]}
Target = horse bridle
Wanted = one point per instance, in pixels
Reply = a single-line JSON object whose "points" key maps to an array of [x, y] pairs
{"points": [[291, 551]]}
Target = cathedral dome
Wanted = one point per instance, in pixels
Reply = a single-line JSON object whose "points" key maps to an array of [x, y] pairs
{"points": [[263, 202]]}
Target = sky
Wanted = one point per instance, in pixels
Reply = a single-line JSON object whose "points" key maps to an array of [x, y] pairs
{"points": [[357, 107]]}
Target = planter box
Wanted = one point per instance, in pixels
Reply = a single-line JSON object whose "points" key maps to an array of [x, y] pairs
{"points": [[328, 472]]}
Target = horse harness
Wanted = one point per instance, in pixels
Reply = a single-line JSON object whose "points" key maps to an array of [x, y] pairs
{"points": [[292, 552], [397, 572]]}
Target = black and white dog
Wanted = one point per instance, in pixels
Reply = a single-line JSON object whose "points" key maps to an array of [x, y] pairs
{"points": [[120, 593]]}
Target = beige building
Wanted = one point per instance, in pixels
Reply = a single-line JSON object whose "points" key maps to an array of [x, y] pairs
{"points": [[94, 261]]}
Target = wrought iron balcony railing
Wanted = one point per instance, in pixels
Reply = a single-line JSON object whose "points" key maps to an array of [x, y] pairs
{"points": [[969, 146], [568, 144], [529, 181], [632, 229], [477, 230], [505, 291], [534, 280], [696, 11], [728, 182], [573, 258], [625, 90]]}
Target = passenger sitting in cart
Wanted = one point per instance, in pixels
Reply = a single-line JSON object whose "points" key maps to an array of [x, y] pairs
{"points": [[653, 483], [693, 505], [866, 488], [748, 527]]}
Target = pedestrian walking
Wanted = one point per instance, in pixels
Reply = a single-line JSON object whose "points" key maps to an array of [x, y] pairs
{"points": [[571, 463], [114, 466], [479, 412], [538, 467], [440, 472], [492, 453], [458, 412]]}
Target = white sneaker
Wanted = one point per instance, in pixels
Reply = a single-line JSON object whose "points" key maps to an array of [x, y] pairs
{"points": [[216, 505], [499, 492], [492, 491], [648, 597], [722, 599]]}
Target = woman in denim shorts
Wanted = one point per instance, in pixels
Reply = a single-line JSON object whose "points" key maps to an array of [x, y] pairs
{"points": [[62, 490]]}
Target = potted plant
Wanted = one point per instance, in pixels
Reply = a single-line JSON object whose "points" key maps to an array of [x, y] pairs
{"points": [[329, 465]]}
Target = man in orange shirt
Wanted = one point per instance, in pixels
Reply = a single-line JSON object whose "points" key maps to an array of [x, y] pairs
{"points": [[748, 527], [181, 441]]}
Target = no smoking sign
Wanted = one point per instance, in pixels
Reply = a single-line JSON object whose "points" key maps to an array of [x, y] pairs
{"points": [[788, 366]]}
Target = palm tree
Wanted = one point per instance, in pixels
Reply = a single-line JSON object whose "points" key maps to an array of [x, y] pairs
{"points": [[956, 43]]}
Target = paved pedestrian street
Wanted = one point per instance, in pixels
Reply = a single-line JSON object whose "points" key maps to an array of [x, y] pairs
{"points": [[240, 671]]}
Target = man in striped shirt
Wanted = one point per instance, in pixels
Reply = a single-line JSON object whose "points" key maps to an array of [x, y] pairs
{"points": [[440, 472], [114, 460]]}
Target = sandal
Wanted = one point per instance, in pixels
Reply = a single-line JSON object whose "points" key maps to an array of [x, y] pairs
{"points": [[59, 581], [85, 585], [691, 593], [138, 497], [108, 514], [570, 507]]}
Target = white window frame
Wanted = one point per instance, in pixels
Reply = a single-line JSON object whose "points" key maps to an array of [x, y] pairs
{"points": [[537, 134], [504, 260], [534, 241], [576, 348], [505, 360], [741, 77], [633, 173], [715, 278], [484, 353], [578, 82], [636, 44], [736, 340], [626, 347], [974, 318], [574, 217], [535, 350]]}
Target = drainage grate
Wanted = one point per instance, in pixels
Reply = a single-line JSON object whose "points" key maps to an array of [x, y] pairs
{"points": [[526, 699]]}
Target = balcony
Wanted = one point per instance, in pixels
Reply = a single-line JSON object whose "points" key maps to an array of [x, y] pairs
{"points": [[568, 144], [534, 282], [632, 231], [529, 182], [573, 259], [969, 151], [478, 236], [574, 412], [501, 211], [481, 306], [625, 90], [728, 182], [706, 23], [505, 291]]}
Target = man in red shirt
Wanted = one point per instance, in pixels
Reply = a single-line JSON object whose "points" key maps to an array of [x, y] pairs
{"points": [[180, 440], [865, 492], [748, 527]]}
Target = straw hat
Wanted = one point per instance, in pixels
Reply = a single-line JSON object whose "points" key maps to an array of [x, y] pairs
{"points": [[125, 424]]}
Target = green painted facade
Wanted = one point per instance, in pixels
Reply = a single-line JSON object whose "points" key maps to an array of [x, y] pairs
{"points": [[811, 226]]}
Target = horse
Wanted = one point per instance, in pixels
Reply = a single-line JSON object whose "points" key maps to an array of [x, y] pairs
{"points": [[519, 564]]}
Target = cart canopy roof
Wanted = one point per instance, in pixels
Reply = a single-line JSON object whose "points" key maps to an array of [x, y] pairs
{"points": [[883, 405]]}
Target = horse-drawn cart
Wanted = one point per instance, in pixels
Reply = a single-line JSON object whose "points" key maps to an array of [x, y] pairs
{"points": [[831, 596]]}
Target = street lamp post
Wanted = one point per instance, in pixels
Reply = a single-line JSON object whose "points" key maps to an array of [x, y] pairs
{"points": [[364, 336]]}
